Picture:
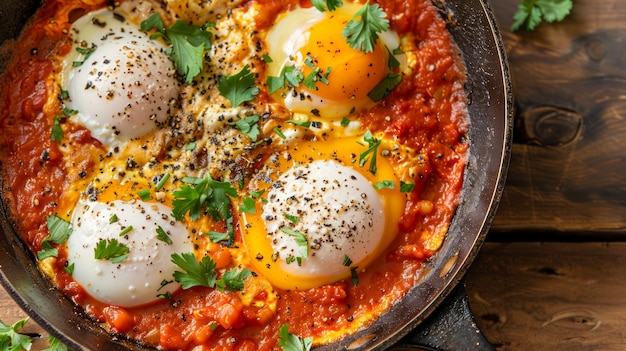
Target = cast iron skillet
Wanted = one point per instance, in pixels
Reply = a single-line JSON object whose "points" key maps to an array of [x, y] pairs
{"points": [[434, 315]]}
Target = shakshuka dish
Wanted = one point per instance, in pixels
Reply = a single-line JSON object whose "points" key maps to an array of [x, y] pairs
{"points": [[233, 174]]}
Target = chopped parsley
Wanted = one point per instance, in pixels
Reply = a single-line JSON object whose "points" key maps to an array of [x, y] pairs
{"points": [[203, 273], [346, 261], [11, 339], [301, 241], [57, 132], [144, 194], [382, 89], [385, 184], [239, 88], [322, 5], [233, 280], [530, 13], [162, 235], [249, 126], [361, 32], [187, 42], [355, 278], [86, 52], [60, 230], [406, 187], [248, 205], [111, 250], [208, 194], [371, 152], [291, 342]]}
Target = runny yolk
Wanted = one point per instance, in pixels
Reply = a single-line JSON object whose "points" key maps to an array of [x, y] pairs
{"points": [[353, 73]]}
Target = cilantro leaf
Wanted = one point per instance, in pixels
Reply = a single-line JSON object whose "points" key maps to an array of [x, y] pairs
{"points": [[249, 126], [11, 339], [382, 89], [60, 230], [188, 44], [301, 241], [385, 184], [194, 273], [239, 88], [111, 250], [57, 132], [56, 345], [291, 342], [530, 13], [361, 32], [322, 5], [233, 280], [371, 152], [162, 235], [209, 194], [406, 187]]}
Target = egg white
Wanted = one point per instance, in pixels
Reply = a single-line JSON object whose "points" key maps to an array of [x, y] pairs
{"points": [[119, 81]]}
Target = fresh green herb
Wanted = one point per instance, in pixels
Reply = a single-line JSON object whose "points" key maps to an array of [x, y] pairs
{"points": [[249, 126], [188, 44], [63, 94], [304, 124], [267, 59], [144, 194], [293, 219], [213, 326], [60, 230], [56, 344], [194, 273], [212, 195], [69, 269], [256, 193], [216, 237], [239, 88], [291, 75], [162, 181], [406, 187], [57, 132], [393, 61], [291, 342], [371, 152], [279, 133], [162, 235], [126, 230], [233, 280], [190, 146], [301, 241], [355, 278], [11, 339], [166, 296], [113, 219], [361, 32], [382, 89], [315, 75], [111, 250], [346, 261], [248, 205], [530, 13], [345, 122], [86, 52], [385, 184], [322, 5]]}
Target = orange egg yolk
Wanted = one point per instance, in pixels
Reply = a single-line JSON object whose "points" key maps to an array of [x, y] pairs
{"points": [[353, 73]]}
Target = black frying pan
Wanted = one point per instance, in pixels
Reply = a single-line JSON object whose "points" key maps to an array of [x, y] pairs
{"points": [[435, 313]]}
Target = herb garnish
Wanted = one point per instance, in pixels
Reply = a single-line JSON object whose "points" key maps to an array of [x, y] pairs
{"points": [[382, 89], [301, 241], [291, 342], [203, 273], [530, 13], [111, 250], [86, 52], [406, 187], [212, 195], [162, 235], [362, 30], [233, 280], [249, 126], [238, 88], [371, 152], [385, 184], [11, 339], [60, 230], [322, 5], [188, 44], [57, 132]]}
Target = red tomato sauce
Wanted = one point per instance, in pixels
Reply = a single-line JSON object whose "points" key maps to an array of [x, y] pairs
{"points": [[426, 112]]}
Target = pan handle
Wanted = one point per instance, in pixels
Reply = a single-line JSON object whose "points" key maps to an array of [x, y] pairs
{"points": [[451, 327]]}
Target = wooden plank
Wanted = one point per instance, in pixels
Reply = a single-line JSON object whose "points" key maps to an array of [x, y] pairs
{"points": [[550, 296], [568, 159], [10, 313]]}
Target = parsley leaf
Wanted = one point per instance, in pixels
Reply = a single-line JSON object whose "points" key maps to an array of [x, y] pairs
{"points": [[371, 152], [322, 5], [56, 344], [385, 184], [406, 187], [361, 32], [111, 250], [60, 230], [291, 342], [209, 194], [238, 88], [188, 44], [249, 126], [530, 13], [233, 280], [195, 273], [382, 89], [11, 339], [162, 235], [301, 241], [57, 132]]}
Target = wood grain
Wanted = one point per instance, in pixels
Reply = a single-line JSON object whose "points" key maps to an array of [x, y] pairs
{"points": [[550, 296], [10, 313], [568, 164]]}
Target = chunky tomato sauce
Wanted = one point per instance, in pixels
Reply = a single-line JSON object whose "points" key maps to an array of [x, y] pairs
{"points": [[426, 112]]}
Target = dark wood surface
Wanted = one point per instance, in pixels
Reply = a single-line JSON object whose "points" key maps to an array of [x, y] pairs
{"points": [[567, 183]]}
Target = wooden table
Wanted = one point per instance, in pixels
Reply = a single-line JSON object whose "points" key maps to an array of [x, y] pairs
{"points": [[552, 275]]}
